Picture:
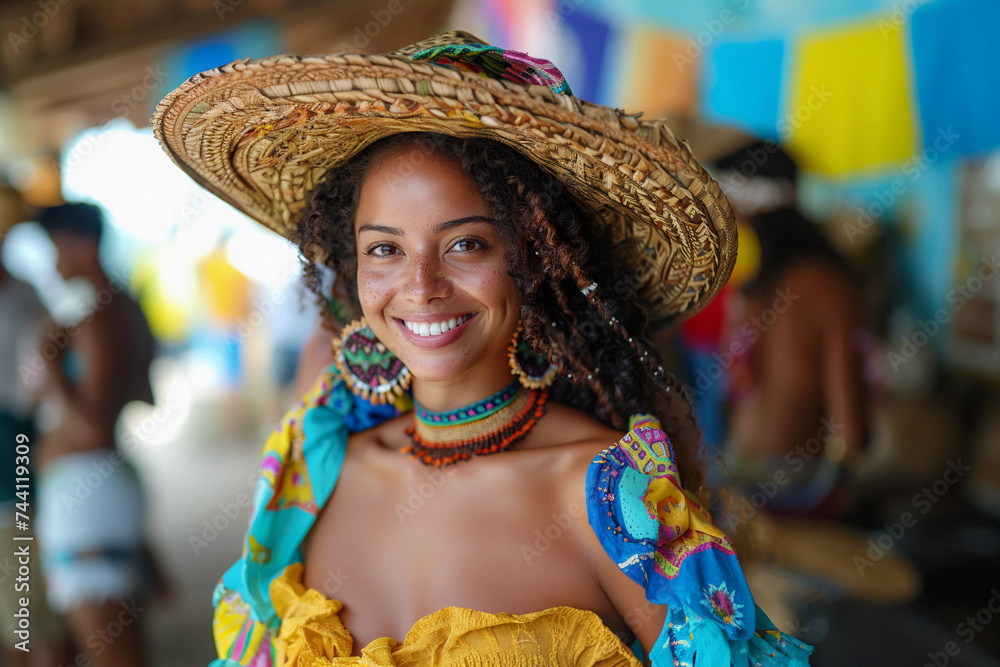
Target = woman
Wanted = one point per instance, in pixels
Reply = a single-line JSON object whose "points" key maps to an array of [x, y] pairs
{"points": [[499, 264]]}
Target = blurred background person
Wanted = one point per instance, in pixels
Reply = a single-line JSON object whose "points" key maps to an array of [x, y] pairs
{"points": [[793, 396], [91, 506], [796, 393], [21, 317]]}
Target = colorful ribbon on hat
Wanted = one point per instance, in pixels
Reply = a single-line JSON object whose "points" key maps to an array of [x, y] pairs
{"points": [[496, 63]]}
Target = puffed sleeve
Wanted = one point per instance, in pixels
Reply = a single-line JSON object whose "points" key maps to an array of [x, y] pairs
{"points": [[663, 538]]}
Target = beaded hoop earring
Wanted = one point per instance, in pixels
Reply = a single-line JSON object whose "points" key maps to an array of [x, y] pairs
{"points": [[369, 369], [533, 370]]}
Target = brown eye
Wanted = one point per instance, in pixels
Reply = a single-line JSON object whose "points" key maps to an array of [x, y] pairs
{"points": [[468, 245], [381, 250]]}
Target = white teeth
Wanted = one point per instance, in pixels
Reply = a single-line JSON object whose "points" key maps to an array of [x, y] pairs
{"points": [[435, 328]]}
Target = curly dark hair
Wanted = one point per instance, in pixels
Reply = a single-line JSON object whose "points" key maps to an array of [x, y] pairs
{"points": [[555, 253]]}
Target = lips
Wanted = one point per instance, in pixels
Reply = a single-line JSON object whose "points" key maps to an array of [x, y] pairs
{"points": [[421, 333], [424, 329]]}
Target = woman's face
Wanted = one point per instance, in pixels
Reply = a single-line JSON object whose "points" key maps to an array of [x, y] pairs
{"points": [[432, 269]]}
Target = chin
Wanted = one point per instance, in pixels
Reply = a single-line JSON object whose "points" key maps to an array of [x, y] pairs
{"points": [[435, 372]]}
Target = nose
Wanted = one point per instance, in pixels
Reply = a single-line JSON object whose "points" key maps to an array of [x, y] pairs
{"points": [[426, 278]]}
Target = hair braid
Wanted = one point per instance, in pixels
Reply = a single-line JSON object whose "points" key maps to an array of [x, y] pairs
{"points": [[560, 258], [667, 380]]}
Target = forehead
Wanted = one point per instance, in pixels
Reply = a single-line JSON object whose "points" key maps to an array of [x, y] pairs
{"points": [[410, 184]]}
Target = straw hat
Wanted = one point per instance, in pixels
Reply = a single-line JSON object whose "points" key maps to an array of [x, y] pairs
{"points": [[261, 134]]}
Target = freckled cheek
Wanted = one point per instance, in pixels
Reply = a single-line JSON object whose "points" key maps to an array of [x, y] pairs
{"points": [[498, 284], [373, 290]]}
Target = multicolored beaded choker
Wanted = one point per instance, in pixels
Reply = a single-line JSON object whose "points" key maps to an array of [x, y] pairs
{"points": [[485, 427]]}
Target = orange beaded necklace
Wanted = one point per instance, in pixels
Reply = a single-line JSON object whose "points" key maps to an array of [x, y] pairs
{"points": [[485, 427]]}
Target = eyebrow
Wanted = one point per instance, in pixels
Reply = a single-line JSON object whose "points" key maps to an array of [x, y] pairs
{"points": [[395, 231]]}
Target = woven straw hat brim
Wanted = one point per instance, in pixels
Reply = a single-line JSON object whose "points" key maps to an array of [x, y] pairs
{"points": [[261, 134]]}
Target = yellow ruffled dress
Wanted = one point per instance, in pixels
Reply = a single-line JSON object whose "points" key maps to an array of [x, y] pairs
{"points": [[312, 635]]}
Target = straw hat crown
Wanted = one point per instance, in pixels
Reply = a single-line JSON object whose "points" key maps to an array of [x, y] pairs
{"points": [[261, 134]]}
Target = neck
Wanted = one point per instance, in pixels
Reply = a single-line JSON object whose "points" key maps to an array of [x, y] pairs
{"points": [[451, 394]]}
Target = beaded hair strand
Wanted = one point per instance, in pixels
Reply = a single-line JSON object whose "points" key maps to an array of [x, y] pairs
{"points": [[542, 234]]}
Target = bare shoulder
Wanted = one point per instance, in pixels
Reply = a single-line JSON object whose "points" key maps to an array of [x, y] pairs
{"points": [[578, 429], [821, 283], [575, 439], [586, 438], [575, 434]]}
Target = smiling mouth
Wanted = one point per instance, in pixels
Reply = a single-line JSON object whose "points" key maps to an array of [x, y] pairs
{"points": [[436, 328]]}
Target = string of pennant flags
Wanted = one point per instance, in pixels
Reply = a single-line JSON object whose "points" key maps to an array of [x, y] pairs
{"points": [[853, 88]]}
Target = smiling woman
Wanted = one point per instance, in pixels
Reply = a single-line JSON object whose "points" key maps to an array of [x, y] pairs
{"points": [[506, 247]]}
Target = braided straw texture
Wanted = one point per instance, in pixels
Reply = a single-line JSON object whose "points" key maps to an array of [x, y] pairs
{"points": [[261, 134]]}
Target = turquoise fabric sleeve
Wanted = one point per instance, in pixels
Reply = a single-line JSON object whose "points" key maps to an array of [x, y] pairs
{"points": [[664, 540]]}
